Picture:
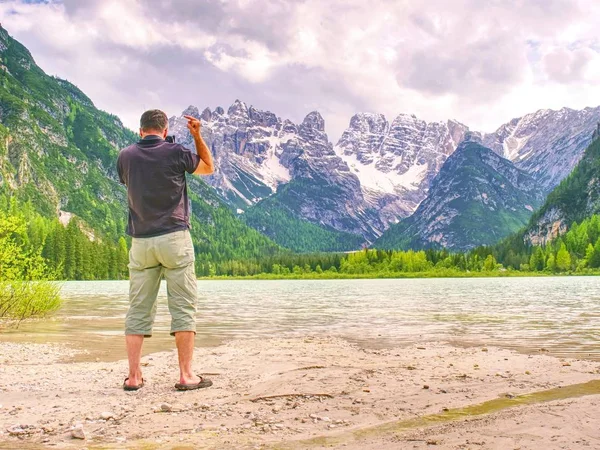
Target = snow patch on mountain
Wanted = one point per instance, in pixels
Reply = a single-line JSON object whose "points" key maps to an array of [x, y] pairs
{"points": [[396, 162], [392, 182]]}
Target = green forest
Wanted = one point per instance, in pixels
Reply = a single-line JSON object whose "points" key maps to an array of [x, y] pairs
{"points": [[277, 222], [69, 252], [575, 252], [72, 252]]}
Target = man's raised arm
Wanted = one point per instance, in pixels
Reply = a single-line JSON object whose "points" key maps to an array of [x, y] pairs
{"points": [[206, 165]]}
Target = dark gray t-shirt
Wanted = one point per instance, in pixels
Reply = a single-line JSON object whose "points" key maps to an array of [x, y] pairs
{"points": [[154, 172]]}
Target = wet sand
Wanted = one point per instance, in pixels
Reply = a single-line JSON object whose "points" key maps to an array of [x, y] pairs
{"points": [[314, 392]]}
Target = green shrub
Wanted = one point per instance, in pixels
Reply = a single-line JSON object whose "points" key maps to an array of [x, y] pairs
{"points": [[26, 286], [21, 300]]}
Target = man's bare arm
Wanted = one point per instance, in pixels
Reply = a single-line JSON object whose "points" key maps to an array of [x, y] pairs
{"points": [[206, 165]]}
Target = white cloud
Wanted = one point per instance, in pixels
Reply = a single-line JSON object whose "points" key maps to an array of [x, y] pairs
{"points": [[579, 65], [479, 62]]}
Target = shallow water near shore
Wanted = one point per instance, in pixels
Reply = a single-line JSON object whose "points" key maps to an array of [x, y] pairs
{"points": [[561, 314]]}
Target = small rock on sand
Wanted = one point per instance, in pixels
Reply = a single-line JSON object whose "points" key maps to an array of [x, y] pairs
{"points": [[166, 407], [106, 415], [77, 432], [17, 431]]}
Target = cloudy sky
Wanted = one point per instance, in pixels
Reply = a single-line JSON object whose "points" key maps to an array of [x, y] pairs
{"points": [[481, 62]]}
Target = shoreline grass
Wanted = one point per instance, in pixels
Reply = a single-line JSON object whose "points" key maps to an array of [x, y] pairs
{"points": [[400, 275]]}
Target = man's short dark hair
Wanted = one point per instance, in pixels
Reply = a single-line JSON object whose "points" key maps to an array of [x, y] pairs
{"points": [[154, 120]]}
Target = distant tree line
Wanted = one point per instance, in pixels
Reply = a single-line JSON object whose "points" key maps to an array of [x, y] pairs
{"points": [[577, 251], [73, 252]]}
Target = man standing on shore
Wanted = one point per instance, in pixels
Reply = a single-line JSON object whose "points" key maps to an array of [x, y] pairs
{"points": [[154, 170]]}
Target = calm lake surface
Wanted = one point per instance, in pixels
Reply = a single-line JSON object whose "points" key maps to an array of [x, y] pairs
{"points": [[559, 314]]}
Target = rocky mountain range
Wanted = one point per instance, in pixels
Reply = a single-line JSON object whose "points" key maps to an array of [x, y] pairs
{"points": [[546, 144], [376, 175], [259, 156], [396, 162], [477, 198]]}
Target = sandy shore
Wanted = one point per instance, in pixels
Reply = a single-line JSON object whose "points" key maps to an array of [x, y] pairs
{"points": [[302, 393]]}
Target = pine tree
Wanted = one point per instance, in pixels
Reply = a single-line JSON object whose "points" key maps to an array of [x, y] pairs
{"points": [[582, 240], [594, 228], [594, 259], [589, 254], [551, 263], [49, 250], [60, 248], [536, 262], [70, 250], [563, 259], [490, 263]]}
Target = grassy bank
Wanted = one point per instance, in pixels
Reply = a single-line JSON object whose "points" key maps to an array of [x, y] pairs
{"points": [[449, 273]]}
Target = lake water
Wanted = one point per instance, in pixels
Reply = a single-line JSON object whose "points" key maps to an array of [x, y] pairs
{"points": [[559, 314]]}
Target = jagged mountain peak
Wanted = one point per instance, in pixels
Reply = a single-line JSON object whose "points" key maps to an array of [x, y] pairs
{"points": [[369, 122], [314, 120], [260, 155], [238, 114], [470, 136], [206, 114], [264, 118], [191, 111], [289, 127], [405, 117], [238, 109], [456, 122], [470, 147]]}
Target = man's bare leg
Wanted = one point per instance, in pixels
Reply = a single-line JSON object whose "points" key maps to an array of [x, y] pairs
{"points": [[134, 354], [185, 350]]}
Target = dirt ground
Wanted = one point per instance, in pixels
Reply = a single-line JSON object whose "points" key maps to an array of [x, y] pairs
{"points": [[315, 392]]}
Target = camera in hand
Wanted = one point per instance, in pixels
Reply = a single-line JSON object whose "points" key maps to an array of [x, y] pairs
{"points": [[170, 139]]}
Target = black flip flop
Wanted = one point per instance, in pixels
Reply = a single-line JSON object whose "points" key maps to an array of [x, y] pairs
{"points": [[203, 383], [126, 387]]}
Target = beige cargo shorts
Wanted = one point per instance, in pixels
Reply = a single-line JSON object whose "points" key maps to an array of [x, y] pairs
{"points": [[171, 255]]}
